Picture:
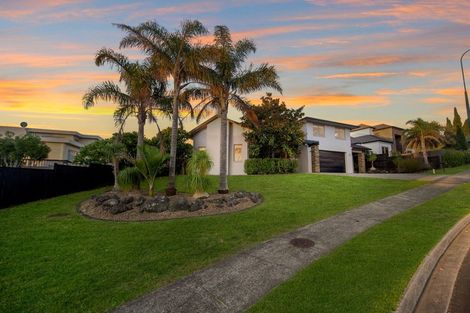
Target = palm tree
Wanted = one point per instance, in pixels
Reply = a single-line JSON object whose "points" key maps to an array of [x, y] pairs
{"points": [[423, 135], [224, 82], [173, 54], [141, 97]]}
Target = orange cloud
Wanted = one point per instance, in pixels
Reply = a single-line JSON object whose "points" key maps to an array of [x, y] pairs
{"points": [[359, 75], [300, 62], [434, 100], [38, 60], [449, 91], [337, 100]]}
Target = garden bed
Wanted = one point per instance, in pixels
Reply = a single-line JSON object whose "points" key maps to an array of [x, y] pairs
{"points": [[134, 206]]}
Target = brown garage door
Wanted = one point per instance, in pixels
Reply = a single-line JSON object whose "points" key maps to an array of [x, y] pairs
{"points": [[332, 162]]}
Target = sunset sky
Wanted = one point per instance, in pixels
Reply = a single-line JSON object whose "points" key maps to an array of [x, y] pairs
{"points": [[347, 60]]}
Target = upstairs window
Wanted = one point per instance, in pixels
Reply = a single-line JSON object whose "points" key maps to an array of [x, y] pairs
{"points": [[340, 133], [318, 131], [385, 150]]}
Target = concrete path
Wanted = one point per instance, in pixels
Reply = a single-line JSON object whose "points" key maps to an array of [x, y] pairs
{"points": [[400, 176], [236, 283]]}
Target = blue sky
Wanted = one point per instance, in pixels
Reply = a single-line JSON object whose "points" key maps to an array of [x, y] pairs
{"points": [[346, 60]]}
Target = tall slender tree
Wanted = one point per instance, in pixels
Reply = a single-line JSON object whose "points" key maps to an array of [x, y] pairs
{"points": [[138, 99], [460, 140], [224, 82], [174, 54], [422, 136]]}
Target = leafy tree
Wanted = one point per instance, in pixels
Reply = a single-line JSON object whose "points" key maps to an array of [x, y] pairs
{"points": [[94, 153], [276, 132], [142, 95], [449, 133], [173, 54], [183, 151], [422, 136], [225, 79], [14, 150], [460, 140]]}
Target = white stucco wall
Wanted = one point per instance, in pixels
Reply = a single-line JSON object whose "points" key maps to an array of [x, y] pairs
{"points": [[377, 147], [362, 132], [305, 160], [330, 143], [210, 139]]}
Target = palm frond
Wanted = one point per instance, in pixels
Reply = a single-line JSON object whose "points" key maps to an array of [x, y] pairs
{"points": [[107, 91]]}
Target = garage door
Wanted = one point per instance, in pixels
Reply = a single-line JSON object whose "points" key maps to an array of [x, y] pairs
{"points": [[332, 162]]}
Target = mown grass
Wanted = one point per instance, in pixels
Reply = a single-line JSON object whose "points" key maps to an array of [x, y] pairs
{"points": [[370, 272], [450, 170], [54, 260]]}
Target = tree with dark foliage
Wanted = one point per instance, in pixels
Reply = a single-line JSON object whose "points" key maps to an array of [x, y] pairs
{"points": [[274, 131]]}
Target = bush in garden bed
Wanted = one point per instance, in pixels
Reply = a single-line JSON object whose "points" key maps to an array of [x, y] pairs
{"points": [[270, 166]]}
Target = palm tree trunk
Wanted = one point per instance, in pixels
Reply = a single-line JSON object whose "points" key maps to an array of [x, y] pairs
{"points": [[140, 136], [425, 153], [223, 184], [171, 189], [116, 173]]}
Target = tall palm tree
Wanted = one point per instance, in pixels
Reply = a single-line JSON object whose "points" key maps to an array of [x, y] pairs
{"points": [[224, 82], [141, 96], [422, 136], [174, 54]]}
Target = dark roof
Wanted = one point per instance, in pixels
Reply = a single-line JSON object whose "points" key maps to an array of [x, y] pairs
{"points": [[356, 146], [328, 123], [383, 126], [204, 124], [368, 138], [311, 143], [62, 132], [362, 126]]}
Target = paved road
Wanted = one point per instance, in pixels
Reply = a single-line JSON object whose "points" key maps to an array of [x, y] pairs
{"points": [[236, 283]]}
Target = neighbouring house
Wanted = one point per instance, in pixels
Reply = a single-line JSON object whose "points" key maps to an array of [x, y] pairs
{"points": [[327, 146], [366, 137], [64, 144], [392, 133]]}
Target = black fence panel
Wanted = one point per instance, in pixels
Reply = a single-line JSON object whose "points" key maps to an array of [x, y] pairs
{"points": [[21, 185]]}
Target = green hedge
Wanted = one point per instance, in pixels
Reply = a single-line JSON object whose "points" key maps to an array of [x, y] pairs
{"points": [[409, 165], [453, 158], [270, 166]]}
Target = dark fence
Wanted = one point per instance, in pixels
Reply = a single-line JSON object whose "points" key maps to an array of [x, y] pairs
{"points": [[386, 163], [21, 185]]}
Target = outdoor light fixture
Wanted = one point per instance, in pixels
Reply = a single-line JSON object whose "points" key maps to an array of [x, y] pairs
{"points": [[465, 89]]}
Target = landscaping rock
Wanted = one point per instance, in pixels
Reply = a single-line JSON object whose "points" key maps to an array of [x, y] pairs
{"points": [[110, 202], [138, 201], [127, 199], [197, 205], [179, 204], [255, 197], [119, 208], [157, 204], [102, 198]]}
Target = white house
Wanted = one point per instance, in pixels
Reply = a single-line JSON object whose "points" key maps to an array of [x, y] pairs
{"points": [[327, 146], [206, 136], [365, 136]]}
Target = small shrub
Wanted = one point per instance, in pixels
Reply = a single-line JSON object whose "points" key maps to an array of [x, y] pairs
{"points": [[270, 166], [130, 177], [409, 165], [197, 170]]}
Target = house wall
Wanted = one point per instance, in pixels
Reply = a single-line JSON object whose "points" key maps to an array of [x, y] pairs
{"points": [[330, 143], [305, 160], [57, 151], [362, 132], [376, 147], [236, 137]]}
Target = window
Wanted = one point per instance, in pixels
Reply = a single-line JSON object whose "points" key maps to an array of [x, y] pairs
{"points": [[340, 133], [237, 152], [201, 148], [385, 150], [318, 130]]}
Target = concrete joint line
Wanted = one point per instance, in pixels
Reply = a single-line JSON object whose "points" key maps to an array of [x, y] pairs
{"points": [[421, 277]]}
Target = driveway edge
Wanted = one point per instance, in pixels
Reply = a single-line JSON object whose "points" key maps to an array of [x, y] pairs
{"points": [[418, 282]]}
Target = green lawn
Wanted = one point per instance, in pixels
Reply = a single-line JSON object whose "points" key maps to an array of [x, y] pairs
{"points": [[451, 170], [370, 272], [54, 260]]}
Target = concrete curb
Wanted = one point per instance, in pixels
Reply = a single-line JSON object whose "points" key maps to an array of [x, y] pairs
{"points": [[420, 278]]}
